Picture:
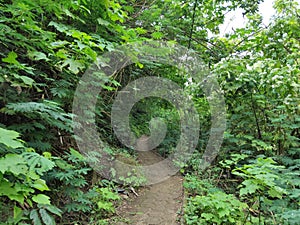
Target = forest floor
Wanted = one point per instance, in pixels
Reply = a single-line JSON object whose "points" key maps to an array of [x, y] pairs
{"points": [[156, 204]]}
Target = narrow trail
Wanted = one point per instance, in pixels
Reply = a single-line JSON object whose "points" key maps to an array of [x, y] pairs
{"points": [[157, 204]]}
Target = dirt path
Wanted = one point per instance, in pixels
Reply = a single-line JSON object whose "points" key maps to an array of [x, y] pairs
{"points": [[157, 204]]}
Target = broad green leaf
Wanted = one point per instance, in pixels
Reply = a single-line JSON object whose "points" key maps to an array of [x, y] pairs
{"points": [[10, 138], [207, 216], [6, 189], [250, 187], [38, 55], [223, 212], [23, 188], [13, 163], [41, 199], [40, 185], [34, 216], [115, 16], [74, 65], [26, 80], [62, 164], [60, 27], [11, 58], [276, 192], [292, 216], [105, 3], [38, 163], [53, 209], [17, 197], [18, 213], [47, 219]]}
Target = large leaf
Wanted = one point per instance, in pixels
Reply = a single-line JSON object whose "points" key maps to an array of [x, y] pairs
{"points": [[38, 55], [40, 185], [10, 138], [18, 214], [13, 163], [47, 219], [41, 199], [74, 65], [11, 58], [250, 187], [60, 27], [34, 215], [7, 189], [38, 163], [26, 80], [53, 209]]}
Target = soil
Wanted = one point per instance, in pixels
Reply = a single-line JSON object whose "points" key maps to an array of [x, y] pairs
{"points": [[159, 203]]}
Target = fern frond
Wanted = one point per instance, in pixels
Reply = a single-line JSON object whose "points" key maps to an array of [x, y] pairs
{"points": [[48, 112]]}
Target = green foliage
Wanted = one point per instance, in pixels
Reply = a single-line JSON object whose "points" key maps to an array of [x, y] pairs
{"points": [[10, 139], [149, 108], [47, 45], [43, 214], [216, 208], [20, 179], [74, 195], [70, 173], [133, 179], [260, 178], [264, 182], [209, 205], [46, 114], [260, 80], [105, 200]]}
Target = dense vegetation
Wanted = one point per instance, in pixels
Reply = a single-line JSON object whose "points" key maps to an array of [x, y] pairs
{"points": [[46, 46]]}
